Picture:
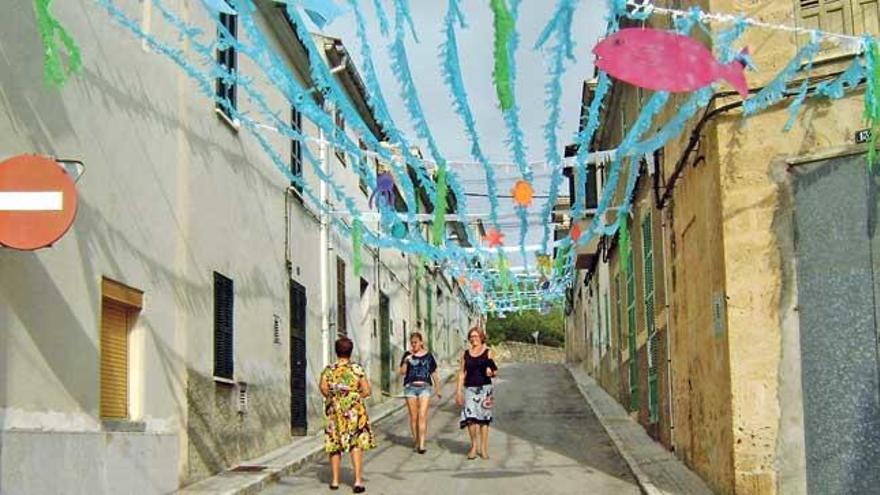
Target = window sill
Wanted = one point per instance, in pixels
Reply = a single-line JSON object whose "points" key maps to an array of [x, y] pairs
{"points": [[832, 57], [296, 193], [123, 426], [224, 381], [233, 124]]}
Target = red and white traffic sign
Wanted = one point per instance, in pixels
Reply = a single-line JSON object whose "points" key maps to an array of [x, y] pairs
{"points": [[37, 202]]}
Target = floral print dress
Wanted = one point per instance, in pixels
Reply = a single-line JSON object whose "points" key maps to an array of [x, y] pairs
{"points": [[346, 424]]}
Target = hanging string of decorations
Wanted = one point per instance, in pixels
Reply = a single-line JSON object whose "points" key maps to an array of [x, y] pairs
{"points": [[682, 65]]}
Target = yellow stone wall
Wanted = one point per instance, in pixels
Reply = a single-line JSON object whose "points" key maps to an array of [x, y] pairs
{"points": [[749, 159]]}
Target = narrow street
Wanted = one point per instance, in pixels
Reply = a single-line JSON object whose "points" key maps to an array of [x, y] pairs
{"points": [[662, 216], [544, 440]]}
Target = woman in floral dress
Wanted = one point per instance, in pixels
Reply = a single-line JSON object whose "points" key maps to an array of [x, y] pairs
{"points": [[344, 386]]}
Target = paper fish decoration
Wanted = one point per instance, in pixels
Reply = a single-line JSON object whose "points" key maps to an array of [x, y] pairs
{"points": [[666, 61], [219, 6]]}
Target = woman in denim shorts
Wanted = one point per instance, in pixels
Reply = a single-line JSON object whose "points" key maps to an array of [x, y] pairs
{"points": [[419, 369]]}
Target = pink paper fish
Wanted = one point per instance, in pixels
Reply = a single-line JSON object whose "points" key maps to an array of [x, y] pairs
{"points": [[665, 61]]}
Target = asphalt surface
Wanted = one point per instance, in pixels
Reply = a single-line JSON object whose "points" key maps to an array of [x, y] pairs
{"points": [[544, 440]]}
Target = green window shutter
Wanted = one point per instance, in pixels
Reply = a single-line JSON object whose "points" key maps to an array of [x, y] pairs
{"points": [[631, 327], [648, 274], [618, 298], [653, 381], [607, 321]]}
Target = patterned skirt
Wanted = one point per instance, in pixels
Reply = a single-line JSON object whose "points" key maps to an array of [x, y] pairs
{"points": [[346, 427], [478, 404]]}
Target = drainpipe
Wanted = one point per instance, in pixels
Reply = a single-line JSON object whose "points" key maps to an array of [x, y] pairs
{"points": [[324, 255]]}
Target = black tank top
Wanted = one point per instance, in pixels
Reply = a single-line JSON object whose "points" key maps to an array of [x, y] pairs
{"points": [[475, 369]]}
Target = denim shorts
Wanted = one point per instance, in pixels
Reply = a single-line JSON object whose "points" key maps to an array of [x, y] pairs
{"points": [[417, 391]]}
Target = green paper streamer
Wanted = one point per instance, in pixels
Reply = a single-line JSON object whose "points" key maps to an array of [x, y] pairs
{"points": [[559, 262], [50, 32], [439, 228], [357, 240], [872, 101], [504, 274], [504, 28], [623, 229]]}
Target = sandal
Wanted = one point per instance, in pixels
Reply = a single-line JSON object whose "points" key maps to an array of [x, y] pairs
{"points": [[421, 451], [359, 488], [333, 487]]}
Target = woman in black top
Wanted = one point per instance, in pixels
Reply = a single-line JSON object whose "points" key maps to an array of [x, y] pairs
{"points": [[475, 393], [419, 369]]}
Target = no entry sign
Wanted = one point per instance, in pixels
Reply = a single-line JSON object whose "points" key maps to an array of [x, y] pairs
{"points": [[37, 202]]}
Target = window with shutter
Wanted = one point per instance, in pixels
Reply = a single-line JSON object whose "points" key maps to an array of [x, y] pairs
{"points": [[227, 57], [114, 361], [340, 134], [119, 308], [653, 380], [341, 328], [607, 321], [648, 283], [866, 17], [631, 328], [223, 326], [618, 313], [296, 150], [648, 271], [363, 164], [840, 16]]}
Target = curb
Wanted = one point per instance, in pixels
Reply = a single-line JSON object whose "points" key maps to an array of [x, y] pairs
{"points": [[642, 478], [312, 446]]}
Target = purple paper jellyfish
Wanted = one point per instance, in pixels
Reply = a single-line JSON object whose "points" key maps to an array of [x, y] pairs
{"points": [[384, 189]]}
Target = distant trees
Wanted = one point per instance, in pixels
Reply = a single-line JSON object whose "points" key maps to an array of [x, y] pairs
{"points": [[518, 327]]}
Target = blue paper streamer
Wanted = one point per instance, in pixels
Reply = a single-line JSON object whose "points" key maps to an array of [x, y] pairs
{"points": [[451, 68]]}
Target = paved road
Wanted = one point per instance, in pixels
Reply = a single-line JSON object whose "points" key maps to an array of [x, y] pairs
{"points": [[545, 440]]}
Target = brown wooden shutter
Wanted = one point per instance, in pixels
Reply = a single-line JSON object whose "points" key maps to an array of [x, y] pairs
{"points": [[115, 321], [224, 302], [828, 15], [341, 328], [866, 17]]}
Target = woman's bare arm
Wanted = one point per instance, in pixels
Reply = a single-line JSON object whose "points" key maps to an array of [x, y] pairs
{"points": [[364, 388], [492, 372], [404, 365], [324, 387], [459, 387], [435, 377]]}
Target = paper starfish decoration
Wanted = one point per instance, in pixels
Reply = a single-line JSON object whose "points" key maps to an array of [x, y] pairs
{"points": [[545, 264], [494, 238], [476, 286], [576, 232], [522, 193], [462, 280]]}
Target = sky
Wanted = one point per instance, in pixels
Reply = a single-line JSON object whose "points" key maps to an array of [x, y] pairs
{"points": [[475, 50]]}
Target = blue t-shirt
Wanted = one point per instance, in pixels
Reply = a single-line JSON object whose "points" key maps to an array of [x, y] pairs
{"points": [[419, 369]]}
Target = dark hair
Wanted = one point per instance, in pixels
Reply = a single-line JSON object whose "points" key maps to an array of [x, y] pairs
{"points": [[344, 346], [416, 335]]}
